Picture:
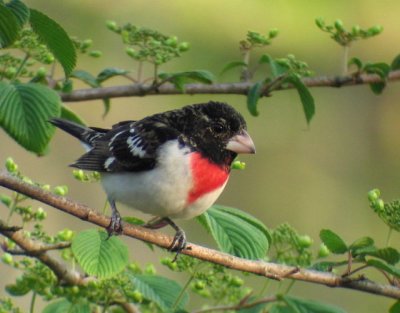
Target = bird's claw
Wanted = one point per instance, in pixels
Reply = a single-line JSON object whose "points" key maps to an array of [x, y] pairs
{"points": [[178, 244], [115, 227]]}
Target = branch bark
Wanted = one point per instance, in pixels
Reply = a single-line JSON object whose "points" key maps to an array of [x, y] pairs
{"points": [[258, 267], [37, 250], [138, 90]]}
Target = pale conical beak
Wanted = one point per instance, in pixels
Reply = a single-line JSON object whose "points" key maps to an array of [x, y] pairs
{"points": [[241, 143]]}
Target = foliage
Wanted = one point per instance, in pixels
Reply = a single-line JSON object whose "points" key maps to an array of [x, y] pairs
{"points": [[114, 280], [26, 30], [346, 37]]}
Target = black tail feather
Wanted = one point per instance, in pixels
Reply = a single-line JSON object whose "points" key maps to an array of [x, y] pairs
{"points": [[83, 133]]}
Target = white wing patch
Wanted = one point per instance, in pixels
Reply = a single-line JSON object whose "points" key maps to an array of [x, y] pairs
{"points": [[108, 162], [135, 146], [113, 138]]}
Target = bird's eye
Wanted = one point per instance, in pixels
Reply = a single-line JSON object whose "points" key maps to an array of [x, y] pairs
{"points": [[218, 128]]}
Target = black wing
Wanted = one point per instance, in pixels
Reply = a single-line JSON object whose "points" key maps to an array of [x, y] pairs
{"points": [[128, 146]]}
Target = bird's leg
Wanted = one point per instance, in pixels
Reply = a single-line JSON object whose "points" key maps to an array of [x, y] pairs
{"points": [[179, 242], [115, 227], [156, 223]]}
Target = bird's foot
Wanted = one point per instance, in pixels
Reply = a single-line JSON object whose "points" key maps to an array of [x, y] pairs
{"points": [[115, 227], [179, 243]]}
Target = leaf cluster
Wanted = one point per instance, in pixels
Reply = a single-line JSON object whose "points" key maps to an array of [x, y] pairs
{"points": [[290, 247], [257, 40], [148, 45], [363, 253], [388, 212], [381, 69], [345, 37]]}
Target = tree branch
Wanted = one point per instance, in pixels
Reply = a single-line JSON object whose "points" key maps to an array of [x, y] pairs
{"points": [[137, 90], [35, 249], [258, 267]]}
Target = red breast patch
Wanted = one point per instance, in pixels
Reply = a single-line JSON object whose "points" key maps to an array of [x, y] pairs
{"points": [[207, 176]]}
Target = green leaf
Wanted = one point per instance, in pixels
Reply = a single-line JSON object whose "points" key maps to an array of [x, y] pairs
{"points": [[276, 68], [279, 308], [98, 255], [181, 78], [334, 243], [395, 308], [110, 72], [201, 76], [388, 254], [20, 10], [299, 305], [161, 290], [357, 62], [133, 220], [396, 63], [236, 232], [326, 266], [381, 69], [64, 306], [67, 86], [18, 289], [9, 26], [106, 106], [86, 77], [24, 112], [55, 38], [246, 217], [68, 114], [361, 243], [305, 96], [59, 306], [253, 96], [377, 88], [385, 267], [233, 65], [203, 220]]}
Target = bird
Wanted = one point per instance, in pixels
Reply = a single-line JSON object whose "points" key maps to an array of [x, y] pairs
{"points": [[171, 165]]}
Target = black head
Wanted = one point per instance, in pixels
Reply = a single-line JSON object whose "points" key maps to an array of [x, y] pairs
{"points": [[217, 130]]}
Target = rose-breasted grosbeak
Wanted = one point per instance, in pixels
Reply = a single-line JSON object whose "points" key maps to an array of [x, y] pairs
{"points": [[173, 164]]}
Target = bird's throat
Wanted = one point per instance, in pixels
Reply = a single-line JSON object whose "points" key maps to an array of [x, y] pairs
{"points": [[207, 176]]}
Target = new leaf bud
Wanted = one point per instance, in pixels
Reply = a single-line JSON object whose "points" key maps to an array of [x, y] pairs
{"points": [[95, 53], [7, 258], [61, 190], [374, 195], [323, 251], [11, 166], [112, 25], [273, 33]]}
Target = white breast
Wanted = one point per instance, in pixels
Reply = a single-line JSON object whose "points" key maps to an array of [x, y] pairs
{"points": [[200, 205], [161, 191]]}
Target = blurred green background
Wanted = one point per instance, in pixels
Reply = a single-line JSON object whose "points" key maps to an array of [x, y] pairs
{"points": [[312, 177]]}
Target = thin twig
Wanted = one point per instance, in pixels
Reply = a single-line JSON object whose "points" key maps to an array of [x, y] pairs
{"points": [[258, 267], [37, 249], [240, 88]]}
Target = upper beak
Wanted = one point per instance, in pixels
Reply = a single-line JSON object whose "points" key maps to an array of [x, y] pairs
{"points": [[241, 143]]}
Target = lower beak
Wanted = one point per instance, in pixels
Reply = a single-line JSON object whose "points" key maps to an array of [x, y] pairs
{"points": [[241, 143]]}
